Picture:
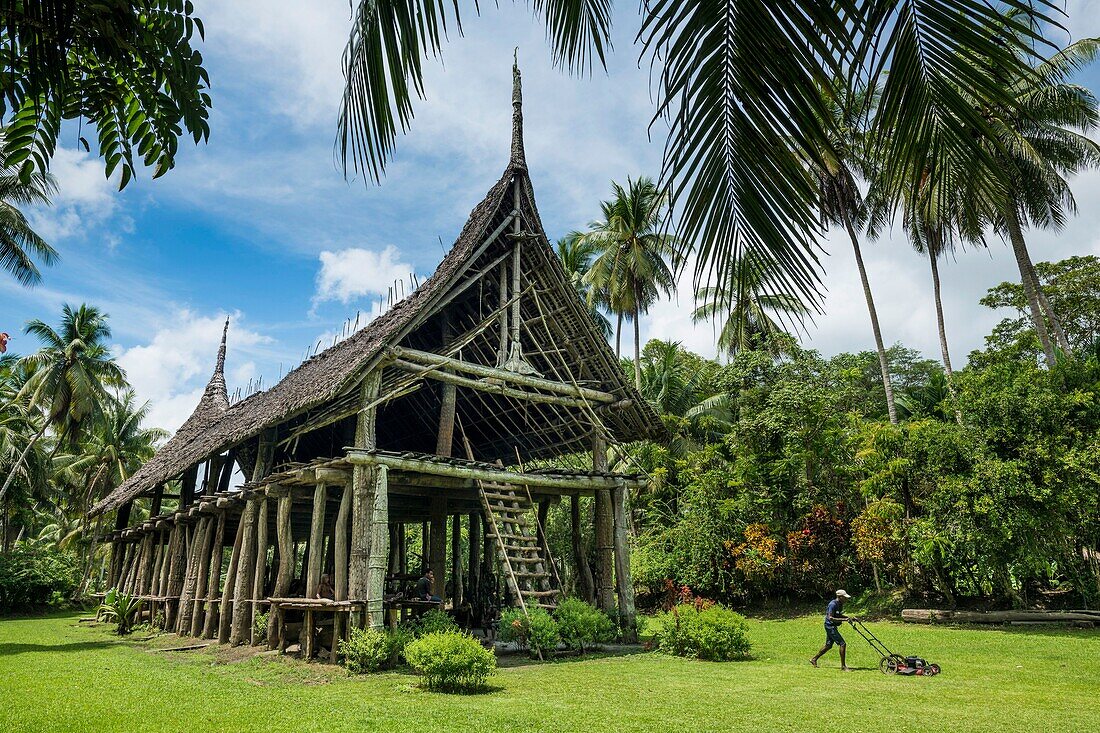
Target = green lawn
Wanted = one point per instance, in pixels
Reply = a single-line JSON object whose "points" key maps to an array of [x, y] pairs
{"points": [[58, 675]]}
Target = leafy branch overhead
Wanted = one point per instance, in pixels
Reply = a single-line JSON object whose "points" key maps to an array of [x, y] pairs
{"points": [[127, 67], [737, 84]]}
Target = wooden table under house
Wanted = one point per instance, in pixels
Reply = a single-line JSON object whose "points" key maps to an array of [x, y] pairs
{"points": [[426, 424]]}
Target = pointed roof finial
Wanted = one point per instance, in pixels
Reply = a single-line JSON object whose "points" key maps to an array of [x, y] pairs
{"points": [[215, 389], [518, 159]]}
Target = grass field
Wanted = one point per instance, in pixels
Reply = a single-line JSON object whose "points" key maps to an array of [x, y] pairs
{"points": [[58, 675]]}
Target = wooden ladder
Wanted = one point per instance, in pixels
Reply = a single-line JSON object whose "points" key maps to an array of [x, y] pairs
{"points": [[524, 560]]}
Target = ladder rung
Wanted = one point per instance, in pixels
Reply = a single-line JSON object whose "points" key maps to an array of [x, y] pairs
{"points": [[539, 593], [523, 548], [503, 497], [523, 574], [510, 536]]}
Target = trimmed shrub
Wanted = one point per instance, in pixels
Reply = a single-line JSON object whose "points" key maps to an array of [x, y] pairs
{"points": [[537, 632], [433, 622], [451, 661], [583, 626], [35, 576], [715, 634], [366, 650]]}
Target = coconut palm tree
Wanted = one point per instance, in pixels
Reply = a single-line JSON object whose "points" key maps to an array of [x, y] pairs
{"points": [[576, 255], [745, 310], [69, 376], [737, 84], [19, 244], [634, 251], [1042, 140], [840, 202]]}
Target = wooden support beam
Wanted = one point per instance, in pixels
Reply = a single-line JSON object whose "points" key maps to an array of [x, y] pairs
{"points": [[586, 587], [175, 572], [316, 540], [379, 552], [246, 562], [624, 585], [437, 543], [191, 577], [204, 619], [456, 560], [426, 358], [473, 538], [502, 390], [260, 568], [483, 473], [605, 543], [340, 545], [225, 609], [285, 542], [362, 486]]}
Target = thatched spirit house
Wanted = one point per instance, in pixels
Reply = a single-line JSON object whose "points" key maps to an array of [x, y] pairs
{"points": [[425, 416]]}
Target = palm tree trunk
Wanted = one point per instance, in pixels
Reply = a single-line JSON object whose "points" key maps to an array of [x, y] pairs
{"points": [[22, 457], [1023, 261], [883, 362], [619, 336], [637, 352], [933, 257]]}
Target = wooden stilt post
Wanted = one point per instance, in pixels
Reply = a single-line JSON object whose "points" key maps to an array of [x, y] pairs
{"points": [[225, 610], [316, 540], [402, 549], [445, 436], [191, 577], [586, 587], [473, 538], [246, 561], [437, 543], [340, 545], [202, 620], [175, 575], [259, 571], [605, 543], [362, 497], [456, 560], [284, 540], [379, 550], [169, 552], [425, 546], [624, 585]]}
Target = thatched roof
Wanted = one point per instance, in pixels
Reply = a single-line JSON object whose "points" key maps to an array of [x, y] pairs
{"points": [[215, 426]]}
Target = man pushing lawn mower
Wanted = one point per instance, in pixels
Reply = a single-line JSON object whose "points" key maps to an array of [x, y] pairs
{"points": [[834, 616]]}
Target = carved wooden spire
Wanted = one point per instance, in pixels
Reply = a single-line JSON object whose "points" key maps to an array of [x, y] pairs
{"points": [[518, 159]]}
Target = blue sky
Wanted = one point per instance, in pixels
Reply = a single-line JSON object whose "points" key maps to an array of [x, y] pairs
{"points": [[260, 223]]}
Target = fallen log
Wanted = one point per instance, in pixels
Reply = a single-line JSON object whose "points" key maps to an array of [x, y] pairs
{"points": [[928, 616]]}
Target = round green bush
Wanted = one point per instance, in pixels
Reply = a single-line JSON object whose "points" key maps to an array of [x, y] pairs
{"points": [[366, 650], [536, 631], [432, 622], [451, 661], [715, 634], [582, 625]]}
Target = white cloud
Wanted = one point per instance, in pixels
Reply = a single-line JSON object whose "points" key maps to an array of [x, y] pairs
{"points": [[173, 368], [84, 200], [355, 272]]}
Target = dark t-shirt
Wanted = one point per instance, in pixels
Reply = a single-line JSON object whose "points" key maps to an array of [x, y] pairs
{"points": [[831, 611], [423, 589]]}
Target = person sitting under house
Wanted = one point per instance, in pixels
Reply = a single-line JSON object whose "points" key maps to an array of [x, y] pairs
{"points": [[834, 616], [424, 588], [324, 587]]}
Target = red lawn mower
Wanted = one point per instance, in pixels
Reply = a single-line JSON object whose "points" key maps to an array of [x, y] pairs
{"points": [[895, 663]]}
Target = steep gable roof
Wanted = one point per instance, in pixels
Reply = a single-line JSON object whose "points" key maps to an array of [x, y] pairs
{"points": [[215, 426]]}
